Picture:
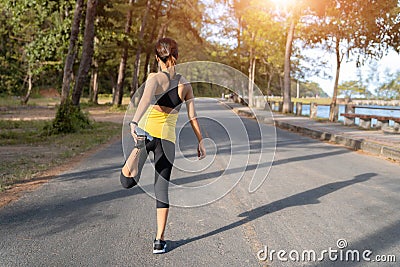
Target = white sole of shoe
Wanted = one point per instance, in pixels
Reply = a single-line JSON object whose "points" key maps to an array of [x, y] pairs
{"points": [[159, 251]]}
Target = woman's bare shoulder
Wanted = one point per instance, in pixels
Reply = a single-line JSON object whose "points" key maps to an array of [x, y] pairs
{"points": [[187, 90], [184, 82], [153, 75], [157, 75]]}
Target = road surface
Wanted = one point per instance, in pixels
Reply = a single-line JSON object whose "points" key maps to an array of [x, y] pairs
{"points": [[314, 195]]}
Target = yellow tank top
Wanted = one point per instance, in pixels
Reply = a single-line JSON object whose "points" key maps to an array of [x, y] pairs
{"points": [[159, 124]]}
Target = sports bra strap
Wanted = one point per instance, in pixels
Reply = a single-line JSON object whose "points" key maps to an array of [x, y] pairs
{"points": [[177, 75], [166, 73]]}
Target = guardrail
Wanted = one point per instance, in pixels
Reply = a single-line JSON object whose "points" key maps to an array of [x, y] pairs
{"points": [[366, 121], [314, 110]]}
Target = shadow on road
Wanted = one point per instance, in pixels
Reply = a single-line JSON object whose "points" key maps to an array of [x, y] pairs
{"points": [[310, 157], [304, 198], [250, 167], [81, 206]]}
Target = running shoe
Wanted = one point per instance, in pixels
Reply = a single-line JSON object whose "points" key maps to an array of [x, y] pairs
{"points": [[159, 246]]}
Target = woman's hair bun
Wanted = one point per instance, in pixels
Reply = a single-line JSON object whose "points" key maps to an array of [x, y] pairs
{"points": [[165, 48]]}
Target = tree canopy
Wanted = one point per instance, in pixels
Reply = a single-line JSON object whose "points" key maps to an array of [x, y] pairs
{"points": [[390, 88], [249, 35], [351, 88]]}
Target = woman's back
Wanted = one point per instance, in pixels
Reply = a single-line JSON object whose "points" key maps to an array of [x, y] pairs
{"points": [[170, 92], [170, 97]]}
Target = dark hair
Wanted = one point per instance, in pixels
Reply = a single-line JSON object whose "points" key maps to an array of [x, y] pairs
{"points": [[167, 50]]}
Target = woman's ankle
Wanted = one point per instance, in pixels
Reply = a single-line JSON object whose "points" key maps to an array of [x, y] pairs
{"points": [[160, 237], [126, 172]]}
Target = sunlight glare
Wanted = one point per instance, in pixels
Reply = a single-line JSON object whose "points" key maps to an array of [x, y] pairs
{"points": [[281, 2]]}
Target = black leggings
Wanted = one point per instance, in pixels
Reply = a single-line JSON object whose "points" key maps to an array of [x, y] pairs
{"points": [[164, 155]]}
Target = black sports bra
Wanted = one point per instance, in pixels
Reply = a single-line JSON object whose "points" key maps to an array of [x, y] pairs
{"points": [[170, 98]]}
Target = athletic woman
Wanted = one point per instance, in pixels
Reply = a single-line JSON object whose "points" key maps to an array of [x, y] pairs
{"points": [[158, 121]]}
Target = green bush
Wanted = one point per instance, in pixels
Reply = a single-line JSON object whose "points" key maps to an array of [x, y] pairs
{"points": [[69, 119]]}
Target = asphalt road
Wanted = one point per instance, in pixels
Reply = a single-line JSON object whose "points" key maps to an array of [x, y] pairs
{"points": [[314, 195]]}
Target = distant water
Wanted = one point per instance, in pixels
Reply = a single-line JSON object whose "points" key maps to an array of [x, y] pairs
{"points": [[323, 112]]}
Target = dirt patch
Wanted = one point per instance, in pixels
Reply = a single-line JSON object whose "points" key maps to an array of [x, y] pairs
{"points": [[101, 114], [51, 92], [43, 177], [15, 154], [28, 113]]}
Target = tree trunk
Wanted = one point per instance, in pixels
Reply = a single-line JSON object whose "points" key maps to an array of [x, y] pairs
{"points": [[91, 86], [269, 84], [146, 67], [250, 76], [136, 66], [251, 71], [28, 93], [96, 87], [253, 75], [153, 67], [161, 34], [113, 81], [94, 77], [286, 81], [119, 92], [238, 39], [87, 51], [69, 61], [333, 114], [95, 83], [162, 31]]}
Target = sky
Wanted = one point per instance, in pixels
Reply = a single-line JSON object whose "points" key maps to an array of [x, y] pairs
{"points": [[349, 71]]}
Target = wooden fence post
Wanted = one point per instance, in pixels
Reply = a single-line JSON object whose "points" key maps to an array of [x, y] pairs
{"points": [[313, 110], [299, 108]]}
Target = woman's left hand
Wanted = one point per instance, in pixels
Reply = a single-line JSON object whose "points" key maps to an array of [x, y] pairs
{"points": [[201, 150], [133, 133]]}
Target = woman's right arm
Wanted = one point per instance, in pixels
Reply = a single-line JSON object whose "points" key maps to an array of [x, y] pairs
{"points": [[145, 100]]}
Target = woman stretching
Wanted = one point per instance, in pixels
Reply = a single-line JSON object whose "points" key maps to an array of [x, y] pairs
{"points": [[158, 122]]}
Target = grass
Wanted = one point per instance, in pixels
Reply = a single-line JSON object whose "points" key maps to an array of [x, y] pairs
{"points": [[44, 101], [29, 152], [9, 101], [14, 101], [21, 132], [120, 109], [319, 119]]}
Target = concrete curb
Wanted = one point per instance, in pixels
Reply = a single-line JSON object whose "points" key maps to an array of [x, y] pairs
{"points": [[347, 141]]}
